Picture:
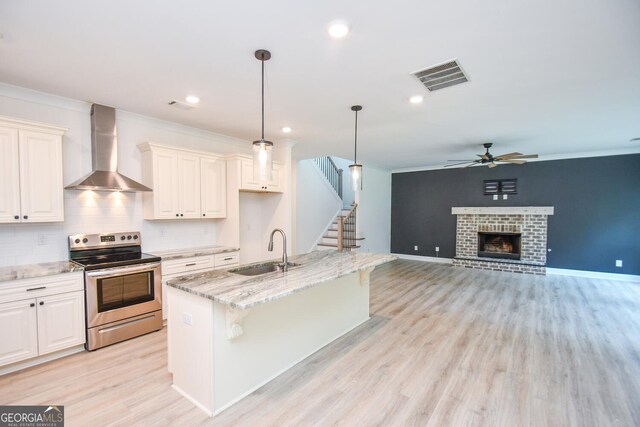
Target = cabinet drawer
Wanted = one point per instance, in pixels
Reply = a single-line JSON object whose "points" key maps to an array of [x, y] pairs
{"points": [[187, 265], [226, 259], [17, 290]]}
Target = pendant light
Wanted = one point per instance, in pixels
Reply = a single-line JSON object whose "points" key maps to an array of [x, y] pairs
{"points": [[356, 168], [262, 149]]}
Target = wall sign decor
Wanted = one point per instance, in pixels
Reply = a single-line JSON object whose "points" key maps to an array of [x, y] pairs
{"points": [[500, 186]]}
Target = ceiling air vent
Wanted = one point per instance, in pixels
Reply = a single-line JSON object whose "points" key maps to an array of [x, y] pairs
{"points": [[441, 76]]}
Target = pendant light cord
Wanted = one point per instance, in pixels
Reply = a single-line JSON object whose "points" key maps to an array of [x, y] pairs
{"points": [[355, 153], [262, 60]]}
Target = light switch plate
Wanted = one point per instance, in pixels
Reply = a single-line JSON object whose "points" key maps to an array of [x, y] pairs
{"points": [[495, 197], [618, 263], [187, 318], [505, 197]]}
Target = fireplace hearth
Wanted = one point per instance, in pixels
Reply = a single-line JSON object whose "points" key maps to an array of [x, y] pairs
{"points": [[499, 245]]}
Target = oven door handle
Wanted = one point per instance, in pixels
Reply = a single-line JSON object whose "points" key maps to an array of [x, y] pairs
{"points": [[117, 271]]}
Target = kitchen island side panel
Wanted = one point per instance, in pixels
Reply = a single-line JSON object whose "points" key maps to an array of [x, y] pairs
{"points": [[214, 371], [279, 334]]}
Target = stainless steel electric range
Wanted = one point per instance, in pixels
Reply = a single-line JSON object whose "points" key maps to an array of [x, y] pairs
{"points": [[123, 286]]}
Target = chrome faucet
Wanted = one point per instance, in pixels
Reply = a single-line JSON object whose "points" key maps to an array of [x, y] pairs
{"points": [[285, 262]]}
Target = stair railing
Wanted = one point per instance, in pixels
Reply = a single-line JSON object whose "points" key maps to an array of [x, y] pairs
{"points": [[331, 172], [347, 230]]}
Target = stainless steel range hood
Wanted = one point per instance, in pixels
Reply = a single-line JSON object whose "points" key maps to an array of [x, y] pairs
{"points": [[104, 156]]}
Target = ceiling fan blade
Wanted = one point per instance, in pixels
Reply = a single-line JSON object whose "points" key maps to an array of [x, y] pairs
{"points": [[475, 162], [517, 162], [492, 165], [461, 160], [483, 156], [526, 156], [507, 156], [457, 164]]}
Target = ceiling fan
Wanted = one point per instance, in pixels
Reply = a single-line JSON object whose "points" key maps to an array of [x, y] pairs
{"points": [[490, 160]]}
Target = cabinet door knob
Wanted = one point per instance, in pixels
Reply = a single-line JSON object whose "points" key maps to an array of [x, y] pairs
{"points": [[25, 217], [204, 214], [41, 302], [33, 304], [177, 214], [181, 214], [16, 217]]}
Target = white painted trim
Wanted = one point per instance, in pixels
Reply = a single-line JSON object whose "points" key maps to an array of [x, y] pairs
{"points": [[321, 237], [41, 359], [425, 258], [503, 210], [43, 98], [192, 400], [239, 398], [594, 275], [556, 271], [545, 158]]}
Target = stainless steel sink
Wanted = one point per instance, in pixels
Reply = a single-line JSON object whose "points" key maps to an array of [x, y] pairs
{"points": [[255, 270]]}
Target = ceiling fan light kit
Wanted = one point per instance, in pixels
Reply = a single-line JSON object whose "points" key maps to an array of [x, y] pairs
{"points": [[491, 161]]}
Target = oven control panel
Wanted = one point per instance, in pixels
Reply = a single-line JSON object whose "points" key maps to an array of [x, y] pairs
{"points": [[102, 240]]}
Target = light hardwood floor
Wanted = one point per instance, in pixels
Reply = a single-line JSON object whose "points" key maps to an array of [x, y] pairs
{"points": [[445, 346]]}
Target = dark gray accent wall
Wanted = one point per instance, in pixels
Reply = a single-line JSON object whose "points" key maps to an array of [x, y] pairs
{"points": [[596, 201]]}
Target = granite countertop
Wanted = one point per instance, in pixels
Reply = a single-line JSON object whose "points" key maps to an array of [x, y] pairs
{"points": [[191, 252], [29, 271], [244, 292]]}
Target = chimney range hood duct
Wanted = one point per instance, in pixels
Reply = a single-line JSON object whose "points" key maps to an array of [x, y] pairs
{"points": [[104, 156]]}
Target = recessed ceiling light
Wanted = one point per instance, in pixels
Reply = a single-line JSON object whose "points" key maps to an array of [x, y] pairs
{"points": [[192, 99], [416, 99], [286, 129], [338, 29], [635, 139]]}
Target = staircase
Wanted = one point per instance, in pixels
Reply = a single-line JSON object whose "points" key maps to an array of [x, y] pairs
{"points": [[341, 234]]}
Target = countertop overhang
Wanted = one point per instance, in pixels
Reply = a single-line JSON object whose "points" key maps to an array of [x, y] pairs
{"points": [[244, 292]]}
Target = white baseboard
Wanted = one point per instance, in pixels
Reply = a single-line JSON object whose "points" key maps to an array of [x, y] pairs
{"points": [[425, 258], [17, 366], [557, 271], [594, 274]]}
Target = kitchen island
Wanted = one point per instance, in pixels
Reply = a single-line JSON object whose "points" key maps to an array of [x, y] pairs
{"points": [[229, 334]]}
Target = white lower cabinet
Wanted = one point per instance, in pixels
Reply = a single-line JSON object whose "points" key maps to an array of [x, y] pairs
{"points": [[174, 268], [41, 316], [18, 331], [60, 321]]}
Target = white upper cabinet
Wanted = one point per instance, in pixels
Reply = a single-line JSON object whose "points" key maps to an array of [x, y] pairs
{"points": [[189, 185], [186, 184], [31, 187], [248, 183], [9, 176], [213, 188]]}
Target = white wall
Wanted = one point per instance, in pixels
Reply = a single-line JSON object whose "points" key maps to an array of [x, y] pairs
{"points": [[375, 210], [347, 189], [316, 205], [88, 212]]}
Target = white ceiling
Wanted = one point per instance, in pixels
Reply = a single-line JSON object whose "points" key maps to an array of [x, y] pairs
{"points": [[548, 77]]}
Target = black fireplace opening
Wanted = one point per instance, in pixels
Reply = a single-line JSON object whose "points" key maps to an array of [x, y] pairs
{"points": [[499, 245]]}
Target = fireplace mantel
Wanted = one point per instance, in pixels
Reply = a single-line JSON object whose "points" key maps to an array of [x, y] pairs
{"points": [[503, 210]]}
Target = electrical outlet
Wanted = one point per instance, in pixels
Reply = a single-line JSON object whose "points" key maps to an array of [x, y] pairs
{"points": [[618, 263], [42, 239], [505, 197], [187, 318], [415, 247], [437, 248], [495, 197]]}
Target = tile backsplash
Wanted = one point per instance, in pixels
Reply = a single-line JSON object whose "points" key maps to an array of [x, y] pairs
{"points": [[98, 212]]}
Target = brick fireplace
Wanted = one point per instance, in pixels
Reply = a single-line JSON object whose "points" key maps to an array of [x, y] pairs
{"points": [[502, 238]]}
